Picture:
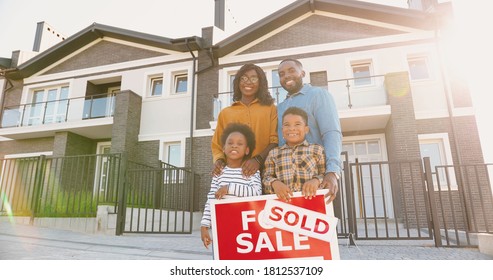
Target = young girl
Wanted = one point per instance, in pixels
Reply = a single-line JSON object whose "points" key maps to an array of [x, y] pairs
{"points": [[238, 142]]}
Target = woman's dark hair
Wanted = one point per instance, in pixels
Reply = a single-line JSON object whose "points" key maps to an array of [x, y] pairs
{"points": [[243, 129], [297, 112], [263, 94]]}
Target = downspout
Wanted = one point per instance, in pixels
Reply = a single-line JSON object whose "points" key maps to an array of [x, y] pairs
{"points": [[8, 85], [447, 90], [192, 114]]}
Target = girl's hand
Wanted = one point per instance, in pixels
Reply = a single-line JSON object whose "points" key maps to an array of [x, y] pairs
{"points": [[206, 238], [221, 192]]}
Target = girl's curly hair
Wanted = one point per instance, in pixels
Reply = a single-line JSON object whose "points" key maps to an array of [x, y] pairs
{"points": [[263, 94], [243, 129]]}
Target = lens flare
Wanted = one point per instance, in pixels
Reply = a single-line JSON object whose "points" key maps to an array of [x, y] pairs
{"points": [[7, 207]]}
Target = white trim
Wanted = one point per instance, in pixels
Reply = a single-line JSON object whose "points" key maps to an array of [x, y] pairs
{"points": [[369, 137], [431, 114], [368, 22], [443, 139], [115, 68], [164, 142], [433, 137], [231, 58], [36, 154], [464, 111]]}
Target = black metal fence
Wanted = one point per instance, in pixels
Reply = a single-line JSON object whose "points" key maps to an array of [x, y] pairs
{"points": [[412, 201], [158, 200], [377, 200], [69, 186], [145, 199]]}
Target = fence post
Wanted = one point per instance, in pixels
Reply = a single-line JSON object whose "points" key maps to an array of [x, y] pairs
{"points": [[431, 197], [350, 202], [38, 185], [121, 210]]}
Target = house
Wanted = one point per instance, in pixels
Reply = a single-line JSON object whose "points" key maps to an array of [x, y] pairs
{"points": [[110, 90]]}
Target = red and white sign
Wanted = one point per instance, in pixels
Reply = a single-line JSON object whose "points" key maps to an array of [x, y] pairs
{"points": [[263, 227]]}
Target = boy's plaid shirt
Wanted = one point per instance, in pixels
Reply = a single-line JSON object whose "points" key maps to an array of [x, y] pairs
{"points": [[294, 165]]}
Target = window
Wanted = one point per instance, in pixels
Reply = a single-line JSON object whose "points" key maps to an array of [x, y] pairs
{"points": [[180, 83], [437, 148], [418, 68], [156, 86], [47, 106], [278, 92], [172, 153], [361, 73]]}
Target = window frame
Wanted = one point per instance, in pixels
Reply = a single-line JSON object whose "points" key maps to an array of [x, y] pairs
{"points": [[426, 61], [151, 87], [361, 63], [446, 159], [57, 105], [176, 83]]}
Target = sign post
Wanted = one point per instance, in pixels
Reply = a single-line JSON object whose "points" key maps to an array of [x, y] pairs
{"points": [[263, 227]]}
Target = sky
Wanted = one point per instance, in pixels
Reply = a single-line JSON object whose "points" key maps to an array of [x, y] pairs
{"points": [[18, 19]]}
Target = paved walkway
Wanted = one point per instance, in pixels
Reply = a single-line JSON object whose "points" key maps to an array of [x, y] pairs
{"points": [[24, 242]]}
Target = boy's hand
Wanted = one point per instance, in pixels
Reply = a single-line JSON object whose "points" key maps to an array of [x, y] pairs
{"points": [[204, 235], [218, 167], [221, 192], [310, 188], [282, 191], [249, 167], [330, 182]]}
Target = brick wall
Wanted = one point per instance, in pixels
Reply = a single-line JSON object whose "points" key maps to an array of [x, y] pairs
{"points": [[202, 164], [318, 29], [71, 144], [103, 53], [126, 124], [26, 146]]}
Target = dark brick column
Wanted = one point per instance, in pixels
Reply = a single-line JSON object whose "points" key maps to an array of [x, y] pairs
{"points": [[126, 124], [71, 144], [403, 147]]}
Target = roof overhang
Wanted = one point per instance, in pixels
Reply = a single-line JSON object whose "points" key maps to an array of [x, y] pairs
{"points": [[95, 32], [359, 9]]}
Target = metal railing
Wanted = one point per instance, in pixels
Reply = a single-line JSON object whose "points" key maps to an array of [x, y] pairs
{"points": [[350, 93], [390, 201], [71, 186], [464, 201], [159, 200], [59, 111]]}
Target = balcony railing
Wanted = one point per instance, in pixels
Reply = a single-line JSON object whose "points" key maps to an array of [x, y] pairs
{"points": [[59, 111], [361, 92]]}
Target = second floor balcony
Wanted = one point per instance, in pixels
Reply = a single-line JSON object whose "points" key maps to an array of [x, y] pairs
{"points": [[36, 119], [362, 103]]}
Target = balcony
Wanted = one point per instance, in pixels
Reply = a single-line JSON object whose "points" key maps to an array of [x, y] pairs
{"points": [[88, 116], [362, 103]]}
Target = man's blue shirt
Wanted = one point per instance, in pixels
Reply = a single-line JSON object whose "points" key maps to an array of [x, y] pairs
{"points": [[323, 120]]}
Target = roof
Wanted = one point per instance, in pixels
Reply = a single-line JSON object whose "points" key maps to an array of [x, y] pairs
{"points": [[94, 32], [359, 9], [370, 11]]}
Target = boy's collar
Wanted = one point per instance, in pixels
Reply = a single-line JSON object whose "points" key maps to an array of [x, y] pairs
{"points": [[286, 146]]}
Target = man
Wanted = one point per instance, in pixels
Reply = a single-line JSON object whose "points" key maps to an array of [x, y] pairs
{"points": [[323, 119]]}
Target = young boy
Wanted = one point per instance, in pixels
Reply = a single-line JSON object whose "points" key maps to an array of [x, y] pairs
{"points": [[238, 143], [296, 165]]}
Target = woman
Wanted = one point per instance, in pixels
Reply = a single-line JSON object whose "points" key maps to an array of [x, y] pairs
{"points": [[253, 106]]}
